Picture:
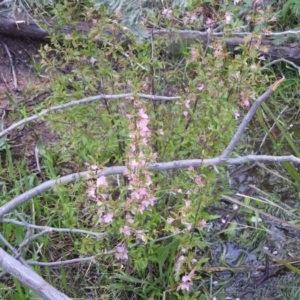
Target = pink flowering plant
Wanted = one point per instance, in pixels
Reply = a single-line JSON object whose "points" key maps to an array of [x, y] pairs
{"points": [[154, 222]]}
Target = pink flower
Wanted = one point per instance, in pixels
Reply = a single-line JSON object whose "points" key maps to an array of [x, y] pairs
{"points": [[126, 230], [187, 103], [198, 181], [187, 225], [129, 219], [108, 217], [141, 235], [185, 113], [142, 114], [121, 252], [186, 278], [167, 12], [144, 141], [170, 220], [142, 124], [184, 286], [200, 87], [228, 17], [187, 203], [246, 102], [146, 203], [179, 264], [236, 115], [209, 21], [97, 37], [101, 181], [142, 208], [92, 192], [143, 192], [132, 147], [194, 54]]}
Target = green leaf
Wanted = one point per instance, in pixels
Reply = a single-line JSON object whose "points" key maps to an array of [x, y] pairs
{"points": [[11, 100]]}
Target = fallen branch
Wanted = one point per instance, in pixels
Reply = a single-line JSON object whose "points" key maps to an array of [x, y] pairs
{"points": [[93, 258], [80, 102], [20, 24], [179, 164], [248, 118], [53, 229], [29, 278]]}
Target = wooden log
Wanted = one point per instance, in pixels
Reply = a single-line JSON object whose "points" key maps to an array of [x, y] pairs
{"points": [[20, 24]]}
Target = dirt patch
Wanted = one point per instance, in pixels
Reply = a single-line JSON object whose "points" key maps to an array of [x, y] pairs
{"points": [[17, 54], [26, 87]]}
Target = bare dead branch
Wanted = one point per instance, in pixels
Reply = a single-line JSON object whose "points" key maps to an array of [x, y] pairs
{"points": [[80, 102], [283, 60], [94, 257], [179, 164], [53, 229], [29, 278], [248, 118]]}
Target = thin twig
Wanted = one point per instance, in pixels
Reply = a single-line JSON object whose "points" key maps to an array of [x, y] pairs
{"points": [[53, 229], [205, 33], [12, 66], [283, 60], [94, 257], [80, 102], [248, 118]]}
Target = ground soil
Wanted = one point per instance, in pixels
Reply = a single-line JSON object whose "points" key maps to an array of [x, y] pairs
{"points": [[27, 89]]}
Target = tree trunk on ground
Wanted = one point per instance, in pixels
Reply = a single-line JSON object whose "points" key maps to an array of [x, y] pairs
{"points": [[26, 26]]}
